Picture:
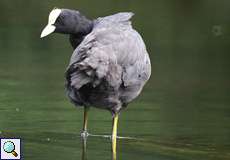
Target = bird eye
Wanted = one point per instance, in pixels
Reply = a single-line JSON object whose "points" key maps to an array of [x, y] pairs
{"points": [[60, 20]]}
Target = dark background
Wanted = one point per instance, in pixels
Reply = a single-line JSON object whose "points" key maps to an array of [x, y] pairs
{"points": [[183, 112]]}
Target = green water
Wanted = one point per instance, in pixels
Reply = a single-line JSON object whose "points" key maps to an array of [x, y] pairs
{"points": [[182, 114]]}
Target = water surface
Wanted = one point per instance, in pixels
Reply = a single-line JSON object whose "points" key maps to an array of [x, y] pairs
{"points": [[182, 114]]}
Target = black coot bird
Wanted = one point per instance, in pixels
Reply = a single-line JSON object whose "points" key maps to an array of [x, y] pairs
{"points": [[109, 65]]}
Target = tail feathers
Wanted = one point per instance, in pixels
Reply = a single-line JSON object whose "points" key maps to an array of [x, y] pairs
{"points": [[79, 79], [74, 96]]}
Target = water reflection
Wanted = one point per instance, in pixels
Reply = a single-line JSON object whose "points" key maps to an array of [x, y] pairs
{"points": [[183, 113], [114, 149], [84, 147], [92, 137]]}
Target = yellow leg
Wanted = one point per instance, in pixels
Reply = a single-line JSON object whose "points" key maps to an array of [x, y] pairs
{"points": [[114, 136], [86, 109], [84, 133]]}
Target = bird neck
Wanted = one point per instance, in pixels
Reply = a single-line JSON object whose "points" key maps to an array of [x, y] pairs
{"points": [[83, 28], [75, 40]]}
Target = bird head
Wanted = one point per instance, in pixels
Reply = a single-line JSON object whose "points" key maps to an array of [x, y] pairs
{"points": [[65, 21]]}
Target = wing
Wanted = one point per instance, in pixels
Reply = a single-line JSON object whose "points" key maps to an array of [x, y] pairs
{"points": [[113, 53], [92, 62], [119, 18], [128, 47]]}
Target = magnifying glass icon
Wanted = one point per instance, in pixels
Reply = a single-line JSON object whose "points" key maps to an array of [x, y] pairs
{"points": [[9, 147]]}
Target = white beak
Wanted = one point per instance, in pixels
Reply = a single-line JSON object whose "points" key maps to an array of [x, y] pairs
{"points": [[47, 30]]}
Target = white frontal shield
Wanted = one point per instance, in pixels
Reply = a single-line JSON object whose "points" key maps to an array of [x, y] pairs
{"points": [[50, 28]]}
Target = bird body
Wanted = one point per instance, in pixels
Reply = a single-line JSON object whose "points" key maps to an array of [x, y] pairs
{"points": [[109, 68], [109, 65]]}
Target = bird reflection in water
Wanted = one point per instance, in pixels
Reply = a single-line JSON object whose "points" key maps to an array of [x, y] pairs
{"points": [[114, 150], [84, 148]]}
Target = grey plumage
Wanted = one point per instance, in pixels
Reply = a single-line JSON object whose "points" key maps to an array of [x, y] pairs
{"points": [[110, 66]]}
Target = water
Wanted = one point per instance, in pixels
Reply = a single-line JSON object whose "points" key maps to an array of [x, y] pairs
{"points": [[182, 114]]}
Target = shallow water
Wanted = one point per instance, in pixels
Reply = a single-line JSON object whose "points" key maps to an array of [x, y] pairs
{"points": [[182, 114]]}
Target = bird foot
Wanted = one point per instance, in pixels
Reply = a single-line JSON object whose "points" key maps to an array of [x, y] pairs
{"points": [[84, 134]]}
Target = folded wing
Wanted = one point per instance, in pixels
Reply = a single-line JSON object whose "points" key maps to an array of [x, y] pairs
{"points": [[113, 54]]}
